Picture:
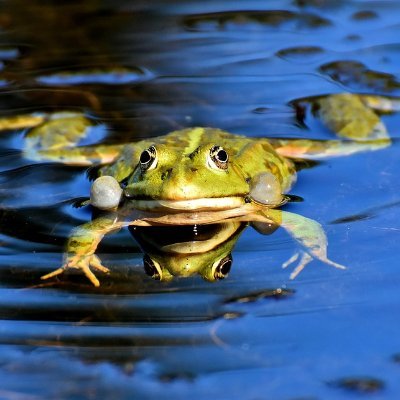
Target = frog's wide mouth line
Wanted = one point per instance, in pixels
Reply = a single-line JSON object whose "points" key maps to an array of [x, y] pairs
{"points": [[216, 203]]}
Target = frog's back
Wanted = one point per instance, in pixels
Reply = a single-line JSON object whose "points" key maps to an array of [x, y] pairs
{"points": [[189, 139]]}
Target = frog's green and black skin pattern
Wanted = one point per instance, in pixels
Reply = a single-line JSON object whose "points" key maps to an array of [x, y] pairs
{"points": [[202, 171]]}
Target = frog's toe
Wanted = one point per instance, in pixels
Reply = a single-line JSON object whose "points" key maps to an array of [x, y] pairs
{"points": [[96, 263], [53, 273], [333, 264], [90, 275]]}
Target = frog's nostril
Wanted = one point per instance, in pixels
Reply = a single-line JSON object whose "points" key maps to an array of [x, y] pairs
{"points": [[166, 174], [194, 169]]}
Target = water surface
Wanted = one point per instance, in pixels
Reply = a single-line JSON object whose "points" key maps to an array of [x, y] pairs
{"points": [[143, 70]]}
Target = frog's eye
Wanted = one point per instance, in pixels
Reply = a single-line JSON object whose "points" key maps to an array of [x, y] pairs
{"points": [[152, 268], [222, 267], [148, 159], [218, 158]]}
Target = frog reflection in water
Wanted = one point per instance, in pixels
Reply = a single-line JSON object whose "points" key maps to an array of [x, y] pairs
{"points": [[201, 175], [187, 250]]}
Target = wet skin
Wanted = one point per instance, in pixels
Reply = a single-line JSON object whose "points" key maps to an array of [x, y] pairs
{"points": [[200, 175]]}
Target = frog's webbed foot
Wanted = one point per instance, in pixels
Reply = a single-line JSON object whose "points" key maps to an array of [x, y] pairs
{"points": [[303, 259], [82, 263]]}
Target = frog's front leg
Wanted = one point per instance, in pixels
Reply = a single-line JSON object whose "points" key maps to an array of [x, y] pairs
{"points": [[309, 234], [82, 245]]}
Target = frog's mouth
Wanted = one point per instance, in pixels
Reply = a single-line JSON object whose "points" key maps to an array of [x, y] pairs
{"points": [[214, 203]]}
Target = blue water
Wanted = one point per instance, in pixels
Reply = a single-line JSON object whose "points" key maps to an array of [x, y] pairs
{"points": [[143, 69]]}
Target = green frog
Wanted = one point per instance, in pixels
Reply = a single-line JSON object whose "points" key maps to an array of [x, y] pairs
{"points": [[200, 175]]}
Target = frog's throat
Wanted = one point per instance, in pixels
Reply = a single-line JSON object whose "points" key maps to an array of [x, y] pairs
{"points": [[218, 203]]}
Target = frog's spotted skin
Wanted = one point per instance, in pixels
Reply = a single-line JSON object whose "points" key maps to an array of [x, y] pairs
{"points": [[202, 175]]}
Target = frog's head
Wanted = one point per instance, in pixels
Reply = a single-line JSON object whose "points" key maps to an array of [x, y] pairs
{"points": [[205, 178], [196, 169]]}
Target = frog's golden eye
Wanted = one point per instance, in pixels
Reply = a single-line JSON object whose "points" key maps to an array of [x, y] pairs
{"points": [[218, 158], [152, 268], [222, 267], [148, 159]]}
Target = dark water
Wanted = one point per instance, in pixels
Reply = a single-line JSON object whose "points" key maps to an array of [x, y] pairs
{"points": [[146, 68]]}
